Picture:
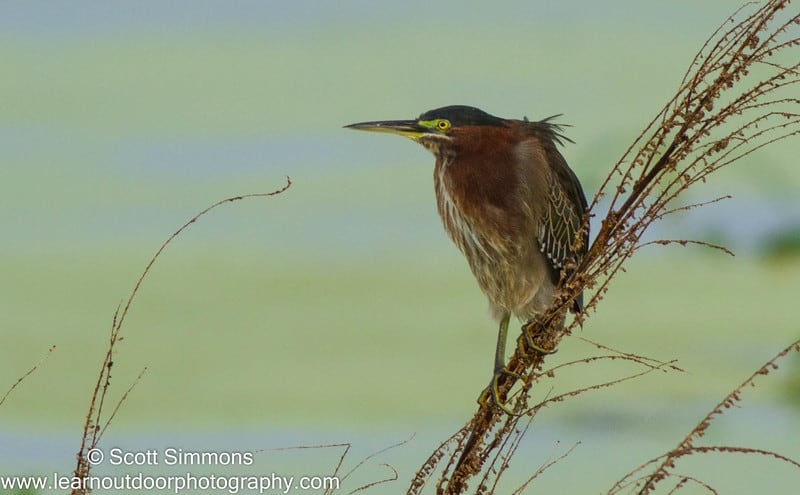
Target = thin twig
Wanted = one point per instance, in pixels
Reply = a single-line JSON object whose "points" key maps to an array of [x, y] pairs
{"points": [[27, 374], [92, 430]]}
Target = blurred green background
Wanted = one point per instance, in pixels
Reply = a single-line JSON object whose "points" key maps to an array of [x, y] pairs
{"points": [[339, 311]]}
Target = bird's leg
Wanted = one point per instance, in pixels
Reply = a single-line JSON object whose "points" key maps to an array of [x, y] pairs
{"points": [[526, 343], [500, 350], [492, 391]]}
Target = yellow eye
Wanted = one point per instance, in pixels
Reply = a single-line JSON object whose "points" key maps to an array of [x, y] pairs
{"points": [[442, 124]]}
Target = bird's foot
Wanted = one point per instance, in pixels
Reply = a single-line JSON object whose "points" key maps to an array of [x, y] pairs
{"points": [[526, 343], [492, 391]]}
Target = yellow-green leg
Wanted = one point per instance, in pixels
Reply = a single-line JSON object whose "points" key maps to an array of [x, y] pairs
{"points": [[500, 350], [492, 391]]}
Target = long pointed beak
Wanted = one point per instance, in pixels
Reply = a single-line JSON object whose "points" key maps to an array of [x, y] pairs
{"points": [[408, 128]]}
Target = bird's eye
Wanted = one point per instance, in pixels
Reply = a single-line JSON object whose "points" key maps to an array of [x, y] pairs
{"points": [[443, 125]]}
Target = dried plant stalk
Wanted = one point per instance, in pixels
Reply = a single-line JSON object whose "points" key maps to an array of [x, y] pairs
{"points": [[665, 463], [96, 421], [26, 375], [732, 101]]}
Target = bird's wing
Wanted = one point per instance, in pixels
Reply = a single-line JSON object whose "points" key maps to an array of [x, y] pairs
{"points": [[558, 201], [562, 218], [563, 215]]}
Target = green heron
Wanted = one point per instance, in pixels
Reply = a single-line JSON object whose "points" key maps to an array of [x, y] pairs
{"points": [[509, 201]]}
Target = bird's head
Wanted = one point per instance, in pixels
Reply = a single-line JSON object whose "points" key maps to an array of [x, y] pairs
{"points": [[435, 128]]}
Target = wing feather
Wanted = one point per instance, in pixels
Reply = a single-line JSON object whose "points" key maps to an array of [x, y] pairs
{"points": [[560, 221]]}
